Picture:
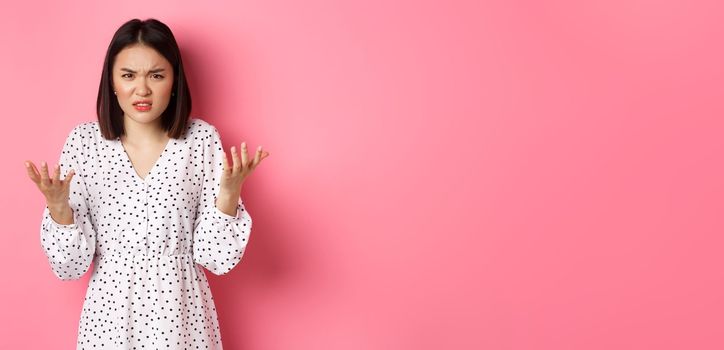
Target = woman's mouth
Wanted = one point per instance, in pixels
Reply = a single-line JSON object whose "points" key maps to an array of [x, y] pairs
{"points": [[142, 107]]}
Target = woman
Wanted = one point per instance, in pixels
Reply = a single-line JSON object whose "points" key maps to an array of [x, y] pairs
{"points": [[149, 196]]}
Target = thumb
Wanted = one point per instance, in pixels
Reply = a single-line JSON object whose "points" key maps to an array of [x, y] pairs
{"points": [[69, 177]]}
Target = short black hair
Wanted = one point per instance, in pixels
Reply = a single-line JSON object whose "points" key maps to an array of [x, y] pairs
{"points": [[155, 34]]}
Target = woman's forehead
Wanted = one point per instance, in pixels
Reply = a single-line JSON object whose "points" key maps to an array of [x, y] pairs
{"points": [[140, 57]]}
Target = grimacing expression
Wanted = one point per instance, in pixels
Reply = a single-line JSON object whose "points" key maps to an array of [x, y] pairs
{"points": [[141, 73]]}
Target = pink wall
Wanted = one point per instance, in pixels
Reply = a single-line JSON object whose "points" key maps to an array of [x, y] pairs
{"points": [[449, 175]]}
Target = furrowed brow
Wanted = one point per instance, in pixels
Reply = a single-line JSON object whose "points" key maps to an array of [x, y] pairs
{"points": [[150, 71]]}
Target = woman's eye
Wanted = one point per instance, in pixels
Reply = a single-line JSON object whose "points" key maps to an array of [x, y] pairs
{"points": [[157, 76]]}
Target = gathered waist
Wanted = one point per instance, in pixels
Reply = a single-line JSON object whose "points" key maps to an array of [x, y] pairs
{"points": [[141, 255]]}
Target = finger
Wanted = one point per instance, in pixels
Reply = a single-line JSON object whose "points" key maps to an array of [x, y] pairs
{"points": [[69, 178], [257, 157], [235, 159], [32, 173], [56, 173], [224, 162], [244, 156], [264, 154], [44, 173]]}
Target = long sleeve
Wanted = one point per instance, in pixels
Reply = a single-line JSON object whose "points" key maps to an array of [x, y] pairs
{"points": [[219, 239], [70, 248]]}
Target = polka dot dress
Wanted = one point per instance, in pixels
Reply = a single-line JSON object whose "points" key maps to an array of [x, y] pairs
{"points": [[147, 238]]}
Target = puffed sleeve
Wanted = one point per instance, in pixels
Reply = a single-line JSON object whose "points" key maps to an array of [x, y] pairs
{"points": [[70, 248], [219, 239]]}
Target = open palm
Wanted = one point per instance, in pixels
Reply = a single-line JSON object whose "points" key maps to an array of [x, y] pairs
{"points": [[234, 176], [53, 188]]}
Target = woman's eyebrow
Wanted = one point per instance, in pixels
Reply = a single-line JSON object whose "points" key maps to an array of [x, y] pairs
{"points": [[151, 71]]}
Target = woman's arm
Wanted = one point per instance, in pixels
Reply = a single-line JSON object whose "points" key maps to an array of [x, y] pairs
{"points": [[69, 241], [219, 238]]}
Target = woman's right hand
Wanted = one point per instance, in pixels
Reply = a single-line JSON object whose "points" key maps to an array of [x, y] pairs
{"points": [[55, 190]]}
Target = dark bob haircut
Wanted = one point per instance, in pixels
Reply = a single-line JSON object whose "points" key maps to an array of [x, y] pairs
{"points": [[154, 34]]}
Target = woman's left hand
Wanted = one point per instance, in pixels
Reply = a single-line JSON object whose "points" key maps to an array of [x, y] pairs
{"points": [[232, 177]]}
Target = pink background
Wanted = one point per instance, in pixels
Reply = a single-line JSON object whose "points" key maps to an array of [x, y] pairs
{"points": [[443, 175]]}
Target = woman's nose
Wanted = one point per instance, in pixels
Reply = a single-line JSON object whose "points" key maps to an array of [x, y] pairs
{"points": [[142, 87], [143, 90]]}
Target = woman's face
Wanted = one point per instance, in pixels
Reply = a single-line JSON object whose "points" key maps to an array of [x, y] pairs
{"points": [[141, 73]]}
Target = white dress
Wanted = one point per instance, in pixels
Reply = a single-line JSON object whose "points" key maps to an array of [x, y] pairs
{"points": [[148, 239]]}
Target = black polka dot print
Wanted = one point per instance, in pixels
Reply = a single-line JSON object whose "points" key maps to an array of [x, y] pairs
{"points": [[147, 238]]}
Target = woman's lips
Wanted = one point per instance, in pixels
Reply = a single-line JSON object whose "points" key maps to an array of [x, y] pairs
{"points": [[142, 107]]}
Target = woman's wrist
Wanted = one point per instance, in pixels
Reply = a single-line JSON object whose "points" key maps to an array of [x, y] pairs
{"points": [[59, 206], [62, 213], [227, 203]]}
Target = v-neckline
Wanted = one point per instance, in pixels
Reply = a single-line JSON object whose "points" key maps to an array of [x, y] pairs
{"points": [[153, 167]]}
